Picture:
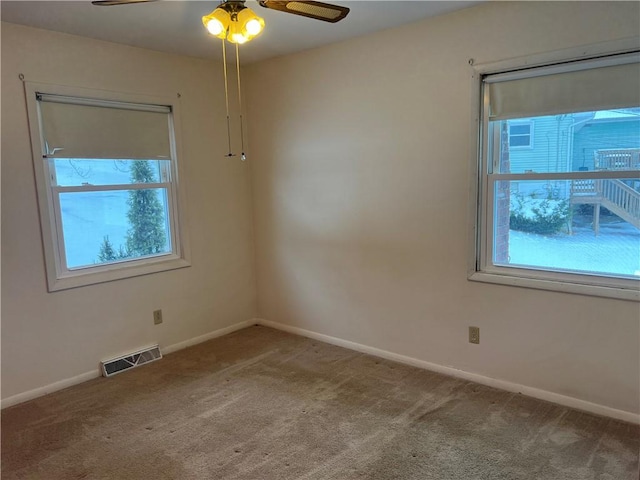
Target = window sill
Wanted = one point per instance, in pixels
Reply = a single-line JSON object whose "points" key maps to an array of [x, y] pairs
{"points": [[109, 273], [631, 294]]}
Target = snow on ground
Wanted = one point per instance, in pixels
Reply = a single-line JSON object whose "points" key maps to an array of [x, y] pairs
{"points": [[616, 250]]}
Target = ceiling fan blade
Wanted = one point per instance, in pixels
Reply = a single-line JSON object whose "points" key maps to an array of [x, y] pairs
{"points": [[318, 10], [109, 3]]}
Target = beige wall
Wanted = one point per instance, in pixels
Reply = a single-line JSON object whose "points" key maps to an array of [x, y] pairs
{"points": [[360, 159], [49, 337], [361, 154]]}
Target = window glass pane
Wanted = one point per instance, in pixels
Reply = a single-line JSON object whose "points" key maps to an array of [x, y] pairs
{"points": [[114, 226], [519, 129], [586, 141], [76, 172], [519, 141], [581, 226]]}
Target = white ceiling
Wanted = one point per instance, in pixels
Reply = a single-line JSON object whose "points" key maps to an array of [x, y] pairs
{"points": [[176, 27]]}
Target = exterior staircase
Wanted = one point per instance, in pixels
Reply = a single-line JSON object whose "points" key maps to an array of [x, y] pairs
{"points": [[620, 197]]}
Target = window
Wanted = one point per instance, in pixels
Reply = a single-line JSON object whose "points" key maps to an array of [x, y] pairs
{"points": [[563, 213], [106, 174], [520, 134]]}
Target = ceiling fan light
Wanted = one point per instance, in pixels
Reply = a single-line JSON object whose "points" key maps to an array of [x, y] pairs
{"points": [[254, 26], [217, 22], [238, 38], [236, 35], [215, 28], [250, 24]]}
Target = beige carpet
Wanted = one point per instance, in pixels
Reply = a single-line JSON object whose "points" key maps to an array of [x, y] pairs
{"points": [[262, 404]]}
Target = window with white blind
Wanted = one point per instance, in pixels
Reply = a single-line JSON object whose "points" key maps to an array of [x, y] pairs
{"points": [[563, 212], [106, 175]]}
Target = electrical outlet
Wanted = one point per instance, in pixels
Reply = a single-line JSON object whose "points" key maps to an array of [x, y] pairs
{"points": [[157, 317], [474, 334]]}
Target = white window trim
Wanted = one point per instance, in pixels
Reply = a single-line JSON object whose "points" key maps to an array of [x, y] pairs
{"points": [[478, 270], [58, 276], [530, 134]]}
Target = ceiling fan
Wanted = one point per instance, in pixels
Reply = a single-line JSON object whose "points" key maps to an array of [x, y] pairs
{"points": [[316, 10], [234, 22]]}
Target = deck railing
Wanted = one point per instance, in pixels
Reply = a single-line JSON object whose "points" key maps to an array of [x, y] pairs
{"points": [[583, 187], [617, 159], [613, 194], [622, 196]]}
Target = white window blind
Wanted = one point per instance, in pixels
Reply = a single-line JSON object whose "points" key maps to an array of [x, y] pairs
{"points": [[79, 128], [567, 88]]}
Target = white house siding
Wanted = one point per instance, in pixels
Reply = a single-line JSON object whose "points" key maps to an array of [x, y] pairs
{"points": [[550, 152], [551, 146], [604, 134]]}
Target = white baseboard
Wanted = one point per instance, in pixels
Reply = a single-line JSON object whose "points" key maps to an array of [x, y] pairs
{"points": [[453, 372], [492, 382], [83, 377], [52, 387]]}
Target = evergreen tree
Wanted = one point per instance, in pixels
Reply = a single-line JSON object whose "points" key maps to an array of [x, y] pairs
{"points": [[107, 253], [146, 235]]}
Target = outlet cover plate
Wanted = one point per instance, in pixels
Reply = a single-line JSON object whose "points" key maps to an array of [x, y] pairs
{"points": [[474, 334]]}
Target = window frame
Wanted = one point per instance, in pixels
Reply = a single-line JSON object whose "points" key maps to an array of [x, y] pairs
{"points": [[59, 277], [480, 263]]}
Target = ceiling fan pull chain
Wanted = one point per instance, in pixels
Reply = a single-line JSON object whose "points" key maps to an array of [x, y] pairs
{"points": [[243, 156], [226, 95]]}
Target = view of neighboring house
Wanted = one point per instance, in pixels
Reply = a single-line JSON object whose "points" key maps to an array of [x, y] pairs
{"points": [[603, 131], [569, 142], [585, 141]]}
